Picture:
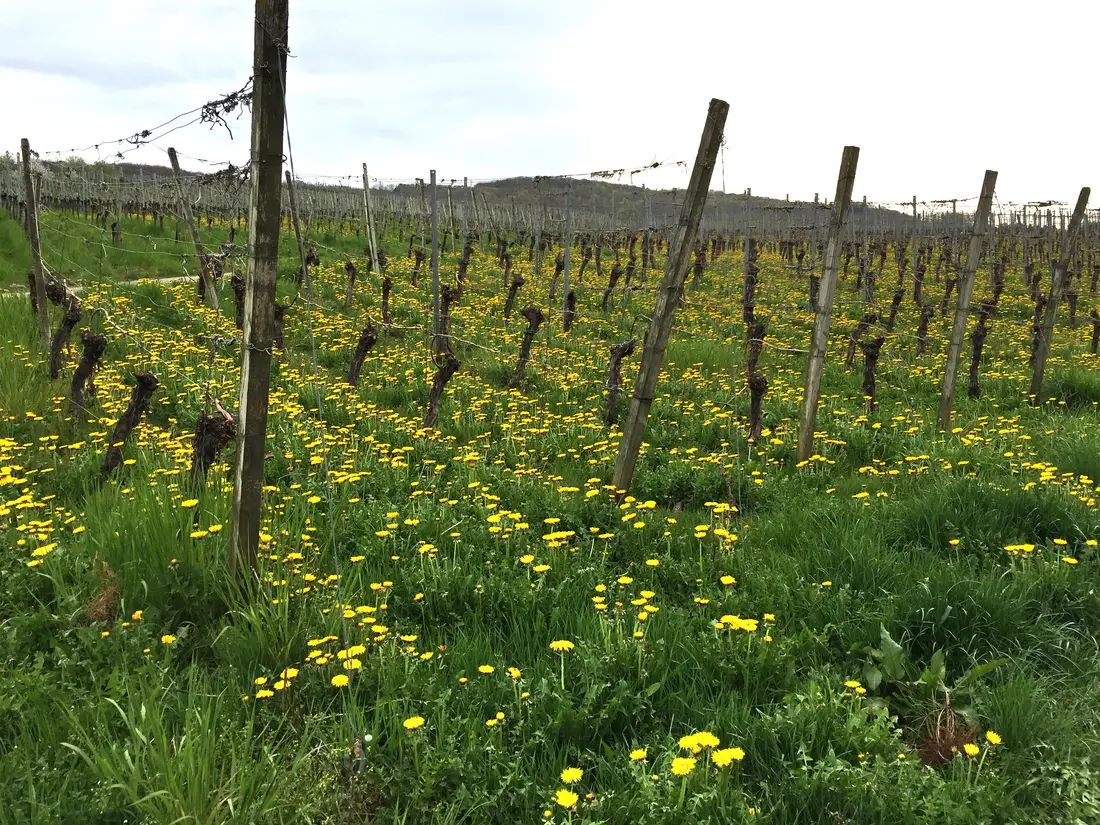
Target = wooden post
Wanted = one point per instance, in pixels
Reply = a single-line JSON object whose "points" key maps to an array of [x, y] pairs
{"points": [[36, 247], [822, 318], [189, 219], [451, 217], [681, 242], [368, 213], [966, 289], [568, 246], [465, 213], [296, 225], [116, 233], [538, 229], [264, 218], [748, 236], [435, 267], [1057, 286]]}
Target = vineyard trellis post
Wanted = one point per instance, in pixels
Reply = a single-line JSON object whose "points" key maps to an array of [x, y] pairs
{"points": [[264, 219], [1057, 286], [966, 289], [748, 236], [117, 233], [368, 214], [819, 341], [681, 243], [189, 219], [465, 212], [296, 225], [436, 343], [451, 216], [565, 252], [31, 204]]}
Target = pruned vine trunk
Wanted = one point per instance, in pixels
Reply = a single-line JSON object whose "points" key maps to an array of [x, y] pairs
{"points": [[212, 434], [615, 379], [534, 318], [443, 374], [237, 282], [139, 401], [387, 286], [977, 342], [612, 282], [367, 339], [93, 347], [926, 313], [895, 303], [69, 320], [871, 351], [352, 273], [570, 313], [758, 385], [856, 334], [510, 301]]}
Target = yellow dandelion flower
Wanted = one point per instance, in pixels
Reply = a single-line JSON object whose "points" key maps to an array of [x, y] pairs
{"points": [[571, 776], [683, 765]]}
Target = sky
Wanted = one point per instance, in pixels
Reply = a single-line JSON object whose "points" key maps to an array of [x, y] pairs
{"points": [[933, 93]]}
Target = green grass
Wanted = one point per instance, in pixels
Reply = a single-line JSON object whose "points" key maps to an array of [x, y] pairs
{"points": [[895, 525]]}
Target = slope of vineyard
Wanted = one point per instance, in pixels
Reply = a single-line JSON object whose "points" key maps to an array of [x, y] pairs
{"points": [[900, 629]]}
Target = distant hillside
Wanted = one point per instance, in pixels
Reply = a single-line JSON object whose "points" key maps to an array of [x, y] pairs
{"points": [[610, 203]]}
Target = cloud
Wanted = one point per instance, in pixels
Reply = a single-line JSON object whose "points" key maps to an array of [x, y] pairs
{"points": [[498, 87]]}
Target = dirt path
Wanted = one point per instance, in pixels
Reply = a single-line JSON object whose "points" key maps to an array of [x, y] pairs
{"points": [[76, 287]]}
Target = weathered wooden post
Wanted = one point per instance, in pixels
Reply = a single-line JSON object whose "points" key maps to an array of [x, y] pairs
{"points": [[435, 266], [1054, 298], [966, 289], [568, 246], [36, 246], [820, 339], [185, 213], [264, 217], [681, 242], [368, 214]]}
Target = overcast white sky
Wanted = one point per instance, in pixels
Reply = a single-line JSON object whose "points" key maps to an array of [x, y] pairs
{"points": [[933, 92]]}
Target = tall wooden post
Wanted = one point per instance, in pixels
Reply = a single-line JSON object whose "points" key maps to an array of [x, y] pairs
{"points": [[368, 215], [966, 289], [436, 343], [916, 232], [264, 218], [538, 228], [117, 234], [451, 217], [189, 219], [36, 247], [1057, 287], [680, 247], [831, 266], [296, 225], [748, 237], [568, 246], [465, 213]]}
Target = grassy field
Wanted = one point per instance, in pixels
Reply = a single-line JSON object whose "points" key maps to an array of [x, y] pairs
{"points": [[473, 627]]}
